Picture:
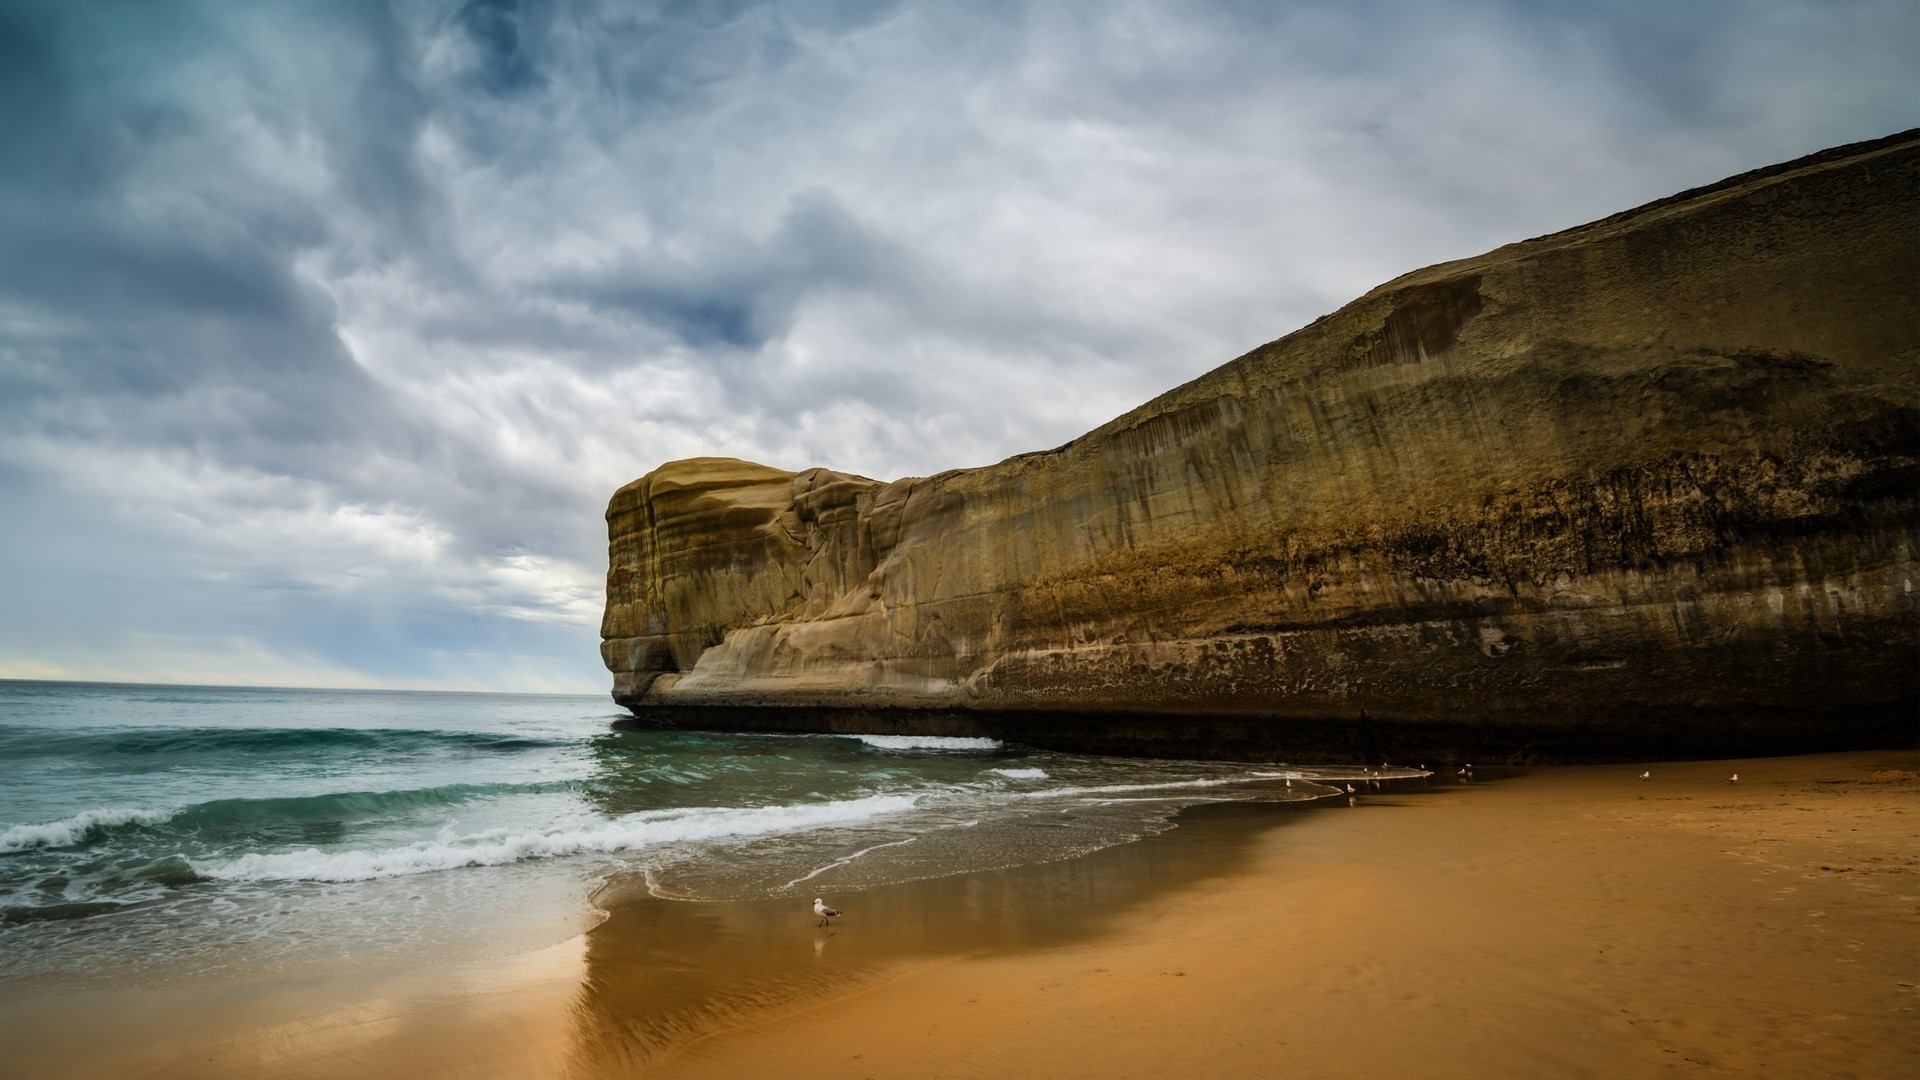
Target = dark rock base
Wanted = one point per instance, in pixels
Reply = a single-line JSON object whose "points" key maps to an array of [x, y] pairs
{"points": [[1351, 740]]}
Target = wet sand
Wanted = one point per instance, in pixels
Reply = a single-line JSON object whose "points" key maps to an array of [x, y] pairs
{"points": [[1552, 922]]}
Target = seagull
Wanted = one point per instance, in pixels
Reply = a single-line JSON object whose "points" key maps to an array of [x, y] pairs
{"points": [[821, 909], [1734, 779], [1647, 775], [1349, 789]]}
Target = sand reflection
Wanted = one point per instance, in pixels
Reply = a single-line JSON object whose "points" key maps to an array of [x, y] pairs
{"points": [[660, 974]]}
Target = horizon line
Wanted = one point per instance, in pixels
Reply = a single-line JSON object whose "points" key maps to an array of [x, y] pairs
{"points": [[321, 689]]}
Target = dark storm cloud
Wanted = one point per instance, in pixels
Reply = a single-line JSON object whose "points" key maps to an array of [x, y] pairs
{"points": [[506, 64], [131, 269], [747, 294], [326, 329]]}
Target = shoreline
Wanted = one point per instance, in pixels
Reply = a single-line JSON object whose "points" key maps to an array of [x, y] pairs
{"points": [[1547, 921], [1564, 922]]}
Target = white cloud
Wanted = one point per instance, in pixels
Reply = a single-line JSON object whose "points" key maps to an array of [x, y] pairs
{"points": [[325, 334]]}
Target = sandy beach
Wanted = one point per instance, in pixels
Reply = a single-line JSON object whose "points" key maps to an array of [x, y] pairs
{"points": [[1549, 922]]}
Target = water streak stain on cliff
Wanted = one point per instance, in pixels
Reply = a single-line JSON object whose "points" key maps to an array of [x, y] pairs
{"points": [[1646, 487]]}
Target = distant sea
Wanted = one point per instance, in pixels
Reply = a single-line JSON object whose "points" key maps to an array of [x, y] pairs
{"points": [[151, 835]]}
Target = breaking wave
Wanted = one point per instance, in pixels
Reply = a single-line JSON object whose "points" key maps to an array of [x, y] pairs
{"points": [[497, 847], [85, 826], [92, 826], [928, 742]]}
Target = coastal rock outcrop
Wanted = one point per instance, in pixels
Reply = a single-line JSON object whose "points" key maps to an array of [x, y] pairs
{"points": [[1647, 487]]}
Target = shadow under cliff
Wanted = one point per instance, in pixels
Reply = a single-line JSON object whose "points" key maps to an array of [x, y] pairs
{"points": [[1355, 740]]}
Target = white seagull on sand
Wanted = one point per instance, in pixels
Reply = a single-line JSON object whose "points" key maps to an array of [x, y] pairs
{"points": [[1648, 775], [821, 909]]}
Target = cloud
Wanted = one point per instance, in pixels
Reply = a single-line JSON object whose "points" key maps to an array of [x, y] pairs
{"points": [[326, 330], [503, 64]]}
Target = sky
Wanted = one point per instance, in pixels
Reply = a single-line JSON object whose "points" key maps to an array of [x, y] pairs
{"points": [[327, 329]]}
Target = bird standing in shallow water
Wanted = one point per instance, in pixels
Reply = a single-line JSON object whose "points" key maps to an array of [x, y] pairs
{"points": [[821, 909]]}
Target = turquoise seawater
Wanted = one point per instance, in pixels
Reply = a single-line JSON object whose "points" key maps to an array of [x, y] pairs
{"points": [[152, 834]]}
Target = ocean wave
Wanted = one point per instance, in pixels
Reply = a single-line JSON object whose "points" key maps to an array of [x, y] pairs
{"points": [[165, 870], [344, 805], [90, 826], [65, 910], [927, 742], [1021, 774], [498, 847], [38, 742], [82, 827]]}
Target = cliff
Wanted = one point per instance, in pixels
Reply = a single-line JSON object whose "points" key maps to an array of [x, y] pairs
{"points": [[1642, 488]]}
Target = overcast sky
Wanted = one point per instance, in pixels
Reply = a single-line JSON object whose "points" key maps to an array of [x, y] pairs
{"points": [[327, 328]]}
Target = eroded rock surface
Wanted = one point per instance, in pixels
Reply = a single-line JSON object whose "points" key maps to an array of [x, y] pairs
{"points": [[1646, 487]]}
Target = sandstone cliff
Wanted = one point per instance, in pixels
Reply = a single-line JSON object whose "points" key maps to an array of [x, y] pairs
{"points": [[1645, 487]]}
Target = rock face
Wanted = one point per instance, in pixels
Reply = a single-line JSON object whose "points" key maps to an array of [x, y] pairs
{"points": [[1644, 488]]}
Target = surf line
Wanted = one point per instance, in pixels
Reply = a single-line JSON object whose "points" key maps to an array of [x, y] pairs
{"points": [[847, 859]]}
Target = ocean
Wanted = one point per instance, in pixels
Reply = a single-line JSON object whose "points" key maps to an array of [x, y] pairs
{"points": [[160, 835]]}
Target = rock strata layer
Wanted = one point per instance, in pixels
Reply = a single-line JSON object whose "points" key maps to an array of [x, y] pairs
{"points": [[1642, 488]]}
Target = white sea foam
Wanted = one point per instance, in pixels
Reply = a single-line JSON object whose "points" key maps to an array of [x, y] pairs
{"points": [[73, 830], [928, 742], [844, 860], [1115, 789], [496, 847], [1021, 774]]}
